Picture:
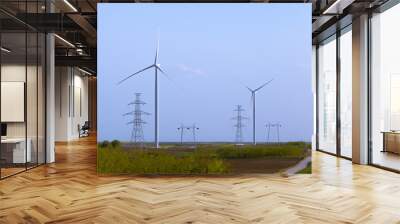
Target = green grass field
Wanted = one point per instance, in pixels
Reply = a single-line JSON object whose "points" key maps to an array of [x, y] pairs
{"points": [[113, 158]]}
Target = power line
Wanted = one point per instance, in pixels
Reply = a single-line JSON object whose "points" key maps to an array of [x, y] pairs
{"points": [[137, 135]]}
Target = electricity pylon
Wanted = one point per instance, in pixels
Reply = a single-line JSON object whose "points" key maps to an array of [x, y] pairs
{"points": [[269, 125], [239, 124], [137, 136], [193, 128]]}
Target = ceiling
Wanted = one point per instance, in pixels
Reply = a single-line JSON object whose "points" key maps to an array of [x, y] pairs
{"points": [[76, 21]]}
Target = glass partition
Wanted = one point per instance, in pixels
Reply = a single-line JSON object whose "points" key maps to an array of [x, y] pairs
{"points": [[346, 93], [327, 95], [23, 91], [14, 155], [385, 89]]}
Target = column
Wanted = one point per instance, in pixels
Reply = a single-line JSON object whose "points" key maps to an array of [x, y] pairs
{"points": [[360, 90]]}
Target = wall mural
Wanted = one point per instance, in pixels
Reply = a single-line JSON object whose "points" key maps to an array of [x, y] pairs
{"points": [[198, 89]]}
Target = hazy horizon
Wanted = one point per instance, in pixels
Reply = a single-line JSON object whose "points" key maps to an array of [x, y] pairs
{"points": [[210, 52]]}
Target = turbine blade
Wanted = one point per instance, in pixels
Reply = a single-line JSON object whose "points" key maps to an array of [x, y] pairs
{"points": [[249, 89], [158, 45], [134, 74], [164, 73], [159, 68], [169, 78], [263, 85]]}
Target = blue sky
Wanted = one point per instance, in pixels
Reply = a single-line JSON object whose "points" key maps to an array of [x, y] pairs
{"points": [[210, 52]]}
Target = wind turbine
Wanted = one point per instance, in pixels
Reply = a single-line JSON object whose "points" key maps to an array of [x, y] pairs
{"points": [[157, 67], [253, 99]]}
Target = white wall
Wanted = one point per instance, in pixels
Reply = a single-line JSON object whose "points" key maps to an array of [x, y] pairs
{"points": [[62, 82], [33, 126], [12, 73], [71, 93], [81, 89]]}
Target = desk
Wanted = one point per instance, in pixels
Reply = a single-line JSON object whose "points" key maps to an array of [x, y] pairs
{"points": [[13, 150], [391, 142]]}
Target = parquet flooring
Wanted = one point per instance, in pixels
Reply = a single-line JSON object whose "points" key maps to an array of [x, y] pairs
{"points": [[70, 191]]}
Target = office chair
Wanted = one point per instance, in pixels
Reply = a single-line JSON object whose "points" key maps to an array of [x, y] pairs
{"points": [[84, 130]]}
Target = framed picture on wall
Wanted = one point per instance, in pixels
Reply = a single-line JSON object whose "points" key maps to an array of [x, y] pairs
{"points": [[12, 101]]}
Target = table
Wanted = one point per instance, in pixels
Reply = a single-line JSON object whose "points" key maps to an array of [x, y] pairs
{"points": [[13, 150], [391, 141]]}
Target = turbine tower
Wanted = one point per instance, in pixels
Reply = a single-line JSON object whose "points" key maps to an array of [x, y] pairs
{"points": [[137, 122], [157, 67], [239, 124], [253, 99]]}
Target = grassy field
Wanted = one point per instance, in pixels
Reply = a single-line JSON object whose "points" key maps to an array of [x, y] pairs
{"points": [[204, 159], [230, 151]]}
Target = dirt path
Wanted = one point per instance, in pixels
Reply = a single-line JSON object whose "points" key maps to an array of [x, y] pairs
{"points": [[299, 166]]}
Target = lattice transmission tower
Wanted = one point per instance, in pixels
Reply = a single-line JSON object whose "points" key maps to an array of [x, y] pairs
{"points": [[239, 124], [273, 125], [137, 136], [193, 128]]}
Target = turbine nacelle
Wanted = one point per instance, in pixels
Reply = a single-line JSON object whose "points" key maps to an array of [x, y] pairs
{"points": [[156, 66], [252, 91]]}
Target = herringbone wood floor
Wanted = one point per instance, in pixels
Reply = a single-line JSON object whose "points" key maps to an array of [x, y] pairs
{"points": [[70, 191]]}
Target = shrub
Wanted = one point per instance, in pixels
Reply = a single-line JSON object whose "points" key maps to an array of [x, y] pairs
{"points": [[296, 150], [206, 159], [115, 143], [104, 144], [217, 166], [117, 160]]}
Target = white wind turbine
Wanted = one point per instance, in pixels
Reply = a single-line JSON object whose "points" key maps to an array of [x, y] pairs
{"points": [[253, 99], [157, 68]]}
